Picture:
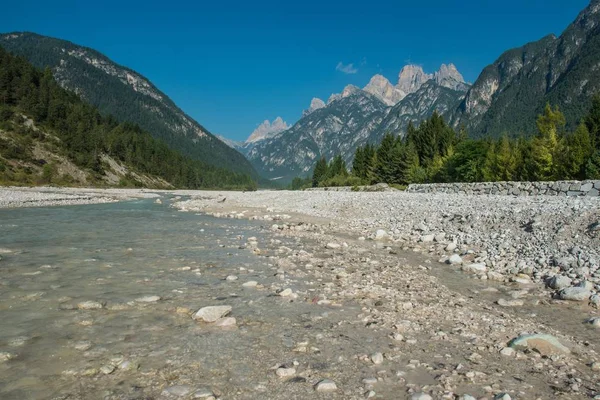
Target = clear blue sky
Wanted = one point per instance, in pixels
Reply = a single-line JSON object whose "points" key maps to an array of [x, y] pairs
{"points": [[232, 64]]}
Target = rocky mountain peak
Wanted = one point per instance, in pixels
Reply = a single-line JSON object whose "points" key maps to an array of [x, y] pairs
{"points": [[448, 76], [315, 104], [411, 78], [380, 87], [267, 129], [350, 90]]}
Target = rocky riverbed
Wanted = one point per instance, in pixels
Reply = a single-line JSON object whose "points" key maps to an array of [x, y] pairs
{"points": [[16, 197], [302, 295], [491, 296]]}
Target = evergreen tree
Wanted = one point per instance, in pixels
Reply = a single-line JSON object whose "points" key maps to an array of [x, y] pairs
{"points": [[592, 122], [575, 150], [320, 172], [545, 145], [592, 170], [384, 170]]}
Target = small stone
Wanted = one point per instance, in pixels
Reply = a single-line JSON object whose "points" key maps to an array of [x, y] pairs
{"points": [[427, 238], [502, 396], [250, 284], [421, 396], [381, 235], [90, 305], [510, 303], [333, 246], [508, 352], [474, 268], [326, 386], [148, 299], [595, 322], [455, 259], [203, 393], [451, 246], [83, 346], [231, 278], [212, 313], [286, 292], [128, 366], [177, 390], [377, 358], [285, 372], [466, 397]]}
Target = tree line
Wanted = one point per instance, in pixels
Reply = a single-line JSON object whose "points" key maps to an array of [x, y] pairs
{"points": [[85, 134], [435, 152]]}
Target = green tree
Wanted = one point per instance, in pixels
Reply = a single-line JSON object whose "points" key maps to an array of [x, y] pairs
{"points": [[320, 172], [592, 122], [545, 145]]}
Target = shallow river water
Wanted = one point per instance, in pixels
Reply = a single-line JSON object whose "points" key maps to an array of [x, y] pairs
{"points": [[56, 258]]}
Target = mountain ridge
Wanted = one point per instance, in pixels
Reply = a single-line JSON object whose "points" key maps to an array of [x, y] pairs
{"points": [[126, 94]]}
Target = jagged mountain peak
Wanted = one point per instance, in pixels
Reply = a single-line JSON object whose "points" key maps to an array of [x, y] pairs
{"points": [[315, 104], [380, 87], [349, 90], [411, 78], [267, 129], [448, 76]]}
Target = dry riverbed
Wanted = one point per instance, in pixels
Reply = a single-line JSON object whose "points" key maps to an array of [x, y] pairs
{"points": [[456, 283]]}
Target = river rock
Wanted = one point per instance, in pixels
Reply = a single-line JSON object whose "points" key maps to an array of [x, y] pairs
{"points": [[212, 313], [510, 303], [381, 235], [575, 293], [326, 386], [90, 305], [474, 268], [203, 393], [559, 282], [455, 259], [333, 246], [377, 358], [543, 343], [285, 372], [148, 299], [177, 391], [250, 284], [420, 396]]}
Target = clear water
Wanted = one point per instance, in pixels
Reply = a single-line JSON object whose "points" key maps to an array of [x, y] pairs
{"points": [[116, 253]]}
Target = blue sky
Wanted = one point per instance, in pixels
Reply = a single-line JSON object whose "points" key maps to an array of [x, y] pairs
{"points": [[232, 64]]}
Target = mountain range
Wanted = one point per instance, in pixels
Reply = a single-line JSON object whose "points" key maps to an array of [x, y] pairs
{"points": [[505, 99]]}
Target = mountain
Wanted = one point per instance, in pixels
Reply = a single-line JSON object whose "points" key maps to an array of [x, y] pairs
{"points": [[510, 93], [381, 88], [125, 94], [267, 130], [345, 123], [48, 135], [356, 117]]}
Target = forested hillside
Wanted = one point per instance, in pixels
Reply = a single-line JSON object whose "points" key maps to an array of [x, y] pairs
{"points": [[34, 109], [434, 152], [126, 95]]}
